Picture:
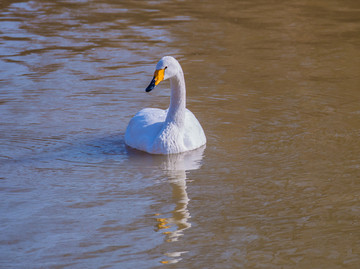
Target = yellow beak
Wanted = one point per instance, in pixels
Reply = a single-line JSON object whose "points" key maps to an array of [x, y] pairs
{"points": [[159, 76]]}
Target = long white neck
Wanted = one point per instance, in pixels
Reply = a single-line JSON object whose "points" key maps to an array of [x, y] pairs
{"points": [[176, 113]]}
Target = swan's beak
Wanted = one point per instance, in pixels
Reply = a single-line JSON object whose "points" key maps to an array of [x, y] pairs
{"points": [[151, 85], [158, 77]]}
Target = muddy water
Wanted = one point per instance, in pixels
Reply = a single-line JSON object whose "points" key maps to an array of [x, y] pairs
{"points": [[275, 86]]}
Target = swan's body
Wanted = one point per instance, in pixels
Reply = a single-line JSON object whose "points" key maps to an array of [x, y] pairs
{"points": [[168, 131]]}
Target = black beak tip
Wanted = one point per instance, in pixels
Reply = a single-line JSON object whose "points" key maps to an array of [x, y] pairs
{"points": [[151, 86]]}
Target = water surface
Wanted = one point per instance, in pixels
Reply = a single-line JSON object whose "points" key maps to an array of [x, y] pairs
{"points": [[276, 88]]}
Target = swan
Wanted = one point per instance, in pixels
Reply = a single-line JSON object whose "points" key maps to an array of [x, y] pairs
{"points": [[170, 131]]}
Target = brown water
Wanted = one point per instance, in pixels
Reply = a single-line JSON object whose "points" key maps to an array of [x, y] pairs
{"points": [[276, 87]]}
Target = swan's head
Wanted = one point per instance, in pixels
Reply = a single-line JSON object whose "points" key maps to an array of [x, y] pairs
{"points": [[166, 68]]}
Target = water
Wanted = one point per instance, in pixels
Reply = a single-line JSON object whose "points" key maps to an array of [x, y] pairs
{"points": [[276, 88]]}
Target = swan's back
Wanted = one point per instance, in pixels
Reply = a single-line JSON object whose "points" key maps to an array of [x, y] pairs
{"points": [[144, 127]]}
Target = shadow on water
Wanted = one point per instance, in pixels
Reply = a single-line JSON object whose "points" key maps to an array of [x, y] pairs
{"points": [[186, 161], [85, 151], [112, 147]]}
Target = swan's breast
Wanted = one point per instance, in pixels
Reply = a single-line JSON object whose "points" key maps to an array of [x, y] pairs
{"points": [[194, 136]]}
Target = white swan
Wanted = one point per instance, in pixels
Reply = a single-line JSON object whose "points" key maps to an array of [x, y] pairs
{"points": [[174, 130]]}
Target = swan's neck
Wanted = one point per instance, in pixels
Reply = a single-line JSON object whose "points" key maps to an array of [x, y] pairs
{"points": [[176, 112]]}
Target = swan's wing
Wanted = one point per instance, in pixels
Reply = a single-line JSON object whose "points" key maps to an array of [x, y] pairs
{"points": [[144, 127], [194, 135], [148, 116]]}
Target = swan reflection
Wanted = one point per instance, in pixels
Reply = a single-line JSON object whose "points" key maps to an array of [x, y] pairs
{"points": [[175, 168], [180, 215]]}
